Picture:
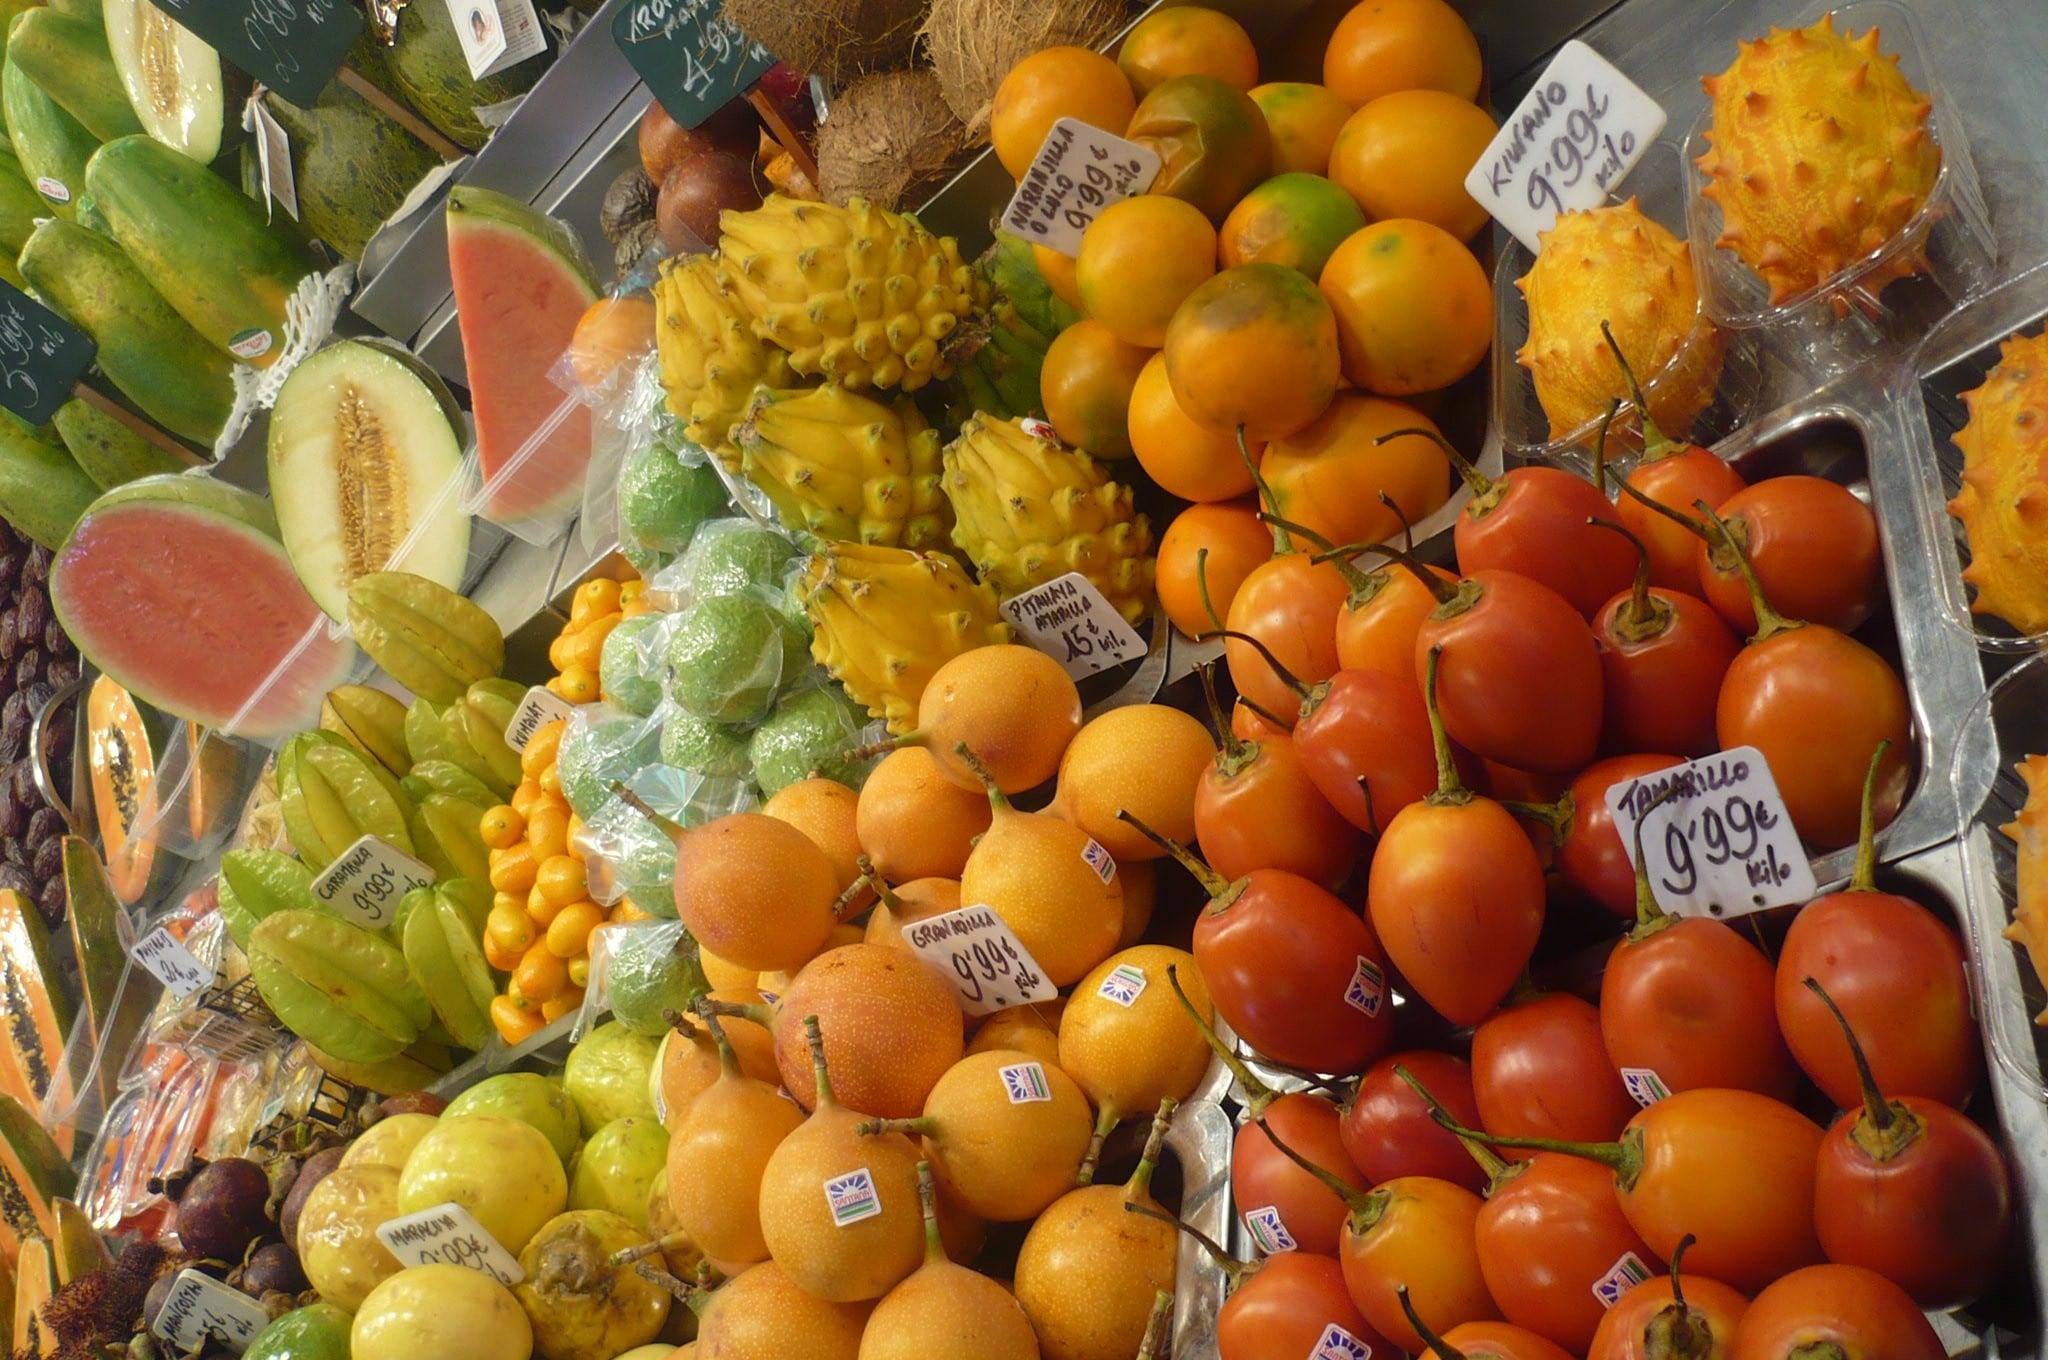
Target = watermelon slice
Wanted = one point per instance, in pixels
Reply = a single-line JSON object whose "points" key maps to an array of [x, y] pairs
{"points": [[521, 285], [177, 587]]}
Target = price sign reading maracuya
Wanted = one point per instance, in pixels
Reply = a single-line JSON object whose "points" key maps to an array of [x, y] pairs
{"points": [[449, 1235], [41, 356], [1723, 844], [690, 55], [987, 965], [367, 880], [1079, 171], [1566, 146], [293, 46]]}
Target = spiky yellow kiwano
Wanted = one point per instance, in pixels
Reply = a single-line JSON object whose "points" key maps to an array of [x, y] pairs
{"points": [[2029, 831], [1028, 510], [846, 466], [859, 294], [2003, 503], [884, 619], [1615, 265], [710, 359], [1821, 155]]}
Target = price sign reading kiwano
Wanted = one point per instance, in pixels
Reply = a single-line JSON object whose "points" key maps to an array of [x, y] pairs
{"points": [[692, 57], [293, 46]]}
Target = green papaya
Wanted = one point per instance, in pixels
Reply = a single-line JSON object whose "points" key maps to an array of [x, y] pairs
{"points": [[20, 206], [68, 57], [203, 244], [428, 66], [352, 163], [146, 348], [341, 988], [109, 452], [43, 491], [53, 147]]}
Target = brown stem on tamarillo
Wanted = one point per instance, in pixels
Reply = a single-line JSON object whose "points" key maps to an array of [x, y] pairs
{"points": [[1864, 877], [1600, 448], [1644, 616], [1497, 1168], [1280, 671], [1556, 817], [1886, 1128], [1372, 815], [1486, 491], [1235, 1272], [1281, 542], [1431, 1342], [1769, 622], [1260, 709], [1444, 591], [1656, 444], [1258, 1095], [1367, 1207], [1237, 752], [1684, 521], [1213, 883], [1678, 1329], [1326, 551]]}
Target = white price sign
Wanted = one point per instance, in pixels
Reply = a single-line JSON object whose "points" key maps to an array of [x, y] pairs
{"points": [[986, 963], [273, 155], [200, 1308], [496, 34], [1723, 844], [449, 1235], [166, 959], [1566, 146], [1079, 171], [1075, 624], [536, 710], [366, 881]]}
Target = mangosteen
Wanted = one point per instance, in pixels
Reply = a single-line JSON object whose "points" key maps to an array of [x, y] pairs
{"points": [[273, 1268], [222, 1209], [311, 1172]]}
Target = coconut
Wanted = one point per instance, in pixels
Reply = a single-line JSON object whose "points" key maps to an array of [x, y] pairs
{"points": [[890, 138], [836, 39], [974, 43]]}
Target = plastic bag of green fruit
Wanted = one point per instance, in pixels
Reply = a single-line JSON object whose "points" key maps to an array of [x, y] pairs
{"points": [[626, 853]]}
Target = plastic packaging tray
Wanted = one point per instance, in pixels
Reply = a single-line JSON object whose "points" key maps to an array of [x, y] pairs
{"points": [[1844, 320]]}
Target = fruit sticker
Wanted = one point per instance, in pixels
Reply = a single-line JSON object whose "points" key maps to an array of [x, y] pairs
{"points": [[1124, 984], [53, 189], [1025, 1083], [200, 1308], [974, 949], [1723, 844], [1645, 1085], [1621, 1277], [1368, 989], [1079, 170], [852, 1198], [250, 344], [1099, 859], [1073, 622], [449, 1235], [1338, 1344], [167, 960], [1268, 1230]]}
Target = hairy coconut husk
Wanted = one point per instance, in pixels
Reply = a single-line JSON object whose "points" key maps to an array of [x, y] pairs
{"points": [[837, 39], [974, 43], [889, 138]]}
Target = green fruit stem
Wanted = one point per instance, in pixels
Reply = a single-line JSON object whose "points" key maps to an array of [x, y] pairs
{"points": [[1864, 879], [883, 891], [816, 1040], [757, 1011], [1431, 1342], [1236, 1272], [1282, 542], [1656, 444], [1105, 1122], [1684, 521], [1326, 551], [1487, 492], [1261, 710], [1258, 1095], [923, 1126], [1623, 1157], [928, 1205], [1644, 616], [1677, 1331], [1161, 1319], [1498, 1169], [1138, 1189], [1367, 1207], [1769, 622], [1600, 448], [728, 1061], [1650, 918], [1886, 1128], [1237, 754], [1279, 669], [996, 798], [1450, 790], [1212, 882]]}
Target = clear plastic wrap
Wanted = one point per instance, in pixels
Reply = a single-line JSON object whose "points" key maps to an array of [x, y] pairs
{"points": [[626, 854], [602, 744], [633, 667], [727, 557], [638, 971]]}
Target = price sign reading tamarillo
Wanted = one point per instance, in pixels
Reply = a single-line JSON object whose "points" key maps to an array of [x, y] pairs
{"points": [[974, 950], [1720, 843]]}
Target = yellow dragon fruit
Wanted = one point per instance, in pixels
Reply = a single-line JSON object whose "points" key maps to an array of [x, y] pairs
{"points": [[710, 359], [859, 294], [1027, 510], [1821, 155], [2003, 503], [1615, 265], [846, 466], [884, 619]]}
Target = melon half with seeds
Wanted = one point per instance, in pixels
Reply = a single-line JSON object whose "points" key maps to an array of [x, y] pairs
{"points": [[173, 80], [365, 468]]}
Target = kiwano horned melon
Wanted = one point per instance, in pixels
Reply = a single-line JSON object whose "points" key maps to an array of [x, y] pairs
{"points": [[843, 465], [2003, 503], [1615, 265], [1821, 155], [858, 294], [1030, 510], [711, 360], [885, 619]]}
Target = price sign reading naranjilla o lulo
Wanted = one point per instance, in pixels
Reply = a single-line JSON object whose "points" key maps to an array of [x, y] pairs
{"points": [[293, 46], [41, 356], [690, 55], [1078, 171]]}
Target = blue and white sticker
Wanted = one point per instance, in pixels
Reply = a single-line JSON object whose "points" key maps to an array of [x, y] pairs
{"points": [[852, 1198], [1621, 1277], [1124, 985], [1368, 989], [1025, 1083], [1338, 1344], [1268, 1230], [1100, 860], [1645, 1085]]}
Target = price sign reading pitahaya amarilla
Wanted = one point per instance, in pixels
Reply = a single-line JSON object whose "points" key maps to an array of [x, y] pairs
{"points": [[41, 356]]}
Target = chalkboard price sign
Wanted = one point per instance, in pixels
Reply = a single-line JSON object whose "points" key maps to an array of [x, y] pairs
{"points": [[692, 57], [41, 356], [293, 46]]}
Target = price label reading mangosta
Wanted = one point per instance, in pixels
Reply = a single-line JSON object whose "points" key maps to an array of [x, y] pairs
{"points": [[1723, 845], [1075, 624], [164, 957], [1079, 171], [988, 966], [366, 881], [1570, 141], [200, 1308], [536, 710], [449, 1235]]}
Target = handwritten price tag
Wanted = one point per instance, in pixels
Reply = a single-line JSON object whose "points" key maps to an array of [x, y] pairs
{"points": [[1079, 171], [978, 954], [540, 707], [41, 356], [690, 55], [273, 155], [1567, 145], [200, 1308], [166, 959], [1723, 845], [293, 46], [449, 1235], [1075, 624], [367, 881]]}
